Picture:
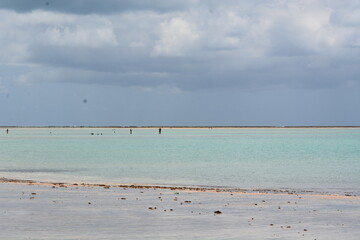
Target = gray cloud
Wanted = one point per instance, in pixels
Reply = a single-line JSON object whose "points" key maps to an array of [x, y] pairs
{"points": [[94, 6], [203, 44]]}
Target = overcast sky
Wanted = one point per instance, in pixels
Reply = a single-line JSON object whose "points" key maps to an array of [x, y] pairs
{"points": [[186, 62]]}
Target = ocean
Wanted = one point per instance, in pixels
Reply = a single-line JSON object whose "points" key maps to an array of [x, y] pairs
{"points": [[326, 160]]}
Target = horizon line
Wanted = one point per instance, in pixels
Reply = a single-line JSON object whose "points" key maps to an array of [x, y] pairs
{"points": [[180, 126]]}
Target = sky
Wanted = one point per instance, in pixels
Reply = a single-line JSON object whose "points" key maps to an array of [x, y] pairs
{"points": [[185, 62]]}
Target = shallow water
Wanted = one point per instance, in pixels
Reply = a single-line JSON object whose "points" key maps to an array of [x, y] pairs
{"points": [[325, 159]]}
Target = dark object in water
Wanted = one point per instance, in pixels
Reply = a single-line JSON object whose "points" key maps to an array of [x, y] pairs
{"points": [[217, 212]]}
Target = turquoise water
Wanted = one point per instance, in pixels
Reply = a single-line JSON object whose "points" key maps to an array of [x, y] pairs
{"points": [[247, 158]]}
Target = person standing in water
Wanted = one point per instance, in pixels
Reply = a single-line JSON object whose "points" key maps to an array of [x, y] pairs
{"points": [[159, 130], [130, 131], [7, 131]]}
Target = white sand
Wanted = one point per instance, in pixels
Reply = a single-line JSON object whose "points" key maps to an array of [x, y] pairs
{"points": [[65, 213]]}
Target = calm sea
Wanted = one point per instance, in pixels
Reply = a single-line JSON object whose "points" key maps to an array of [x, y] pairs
{"points": [[324, 159]]}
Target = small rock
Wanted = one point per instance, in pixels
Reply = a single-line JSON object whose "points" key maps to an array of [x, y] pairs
{"points": [[217, 212]]}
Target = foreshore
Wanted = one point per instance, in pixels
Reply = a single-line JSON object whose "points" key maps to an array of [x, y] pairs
{"points": [[46, 210], [219, 189]]}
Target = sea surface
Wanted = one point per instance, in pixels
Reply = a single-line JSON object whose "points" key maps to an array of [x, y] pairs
{"points": [[300, 159]]}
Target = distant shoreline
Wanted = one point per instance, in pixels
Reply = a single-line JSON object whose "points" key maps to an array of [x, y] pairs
{"points": [[184, 127]]}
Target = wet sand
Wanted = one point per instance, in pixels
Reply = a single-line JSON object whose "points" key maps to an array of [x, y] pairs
{"points": [[33, 210]]}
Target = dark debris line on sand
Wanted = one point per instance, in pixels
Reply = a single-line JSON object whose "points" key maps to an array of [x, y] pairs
{"points": [[173, 188]]}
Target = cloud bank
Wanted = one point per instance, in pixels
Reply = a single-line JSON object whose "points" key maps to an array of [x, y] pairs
{"points": [[185, 45]]}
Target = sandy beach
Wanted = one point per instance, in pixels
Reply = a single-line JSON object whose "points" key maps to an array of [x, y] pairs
{"points": [[33, 210]]}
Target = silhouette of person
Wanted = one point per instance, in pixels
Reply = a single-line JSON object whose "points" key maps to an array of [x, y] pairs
{"points": [[130, 131], [7, 131], [159, 130]]}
